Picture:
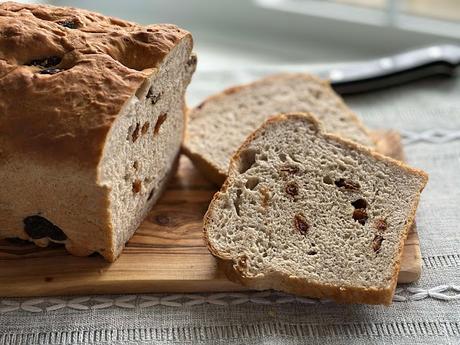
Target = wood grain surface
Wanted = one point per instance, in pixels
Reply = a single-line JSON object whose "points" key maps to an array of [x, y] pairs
{"points": [[167, 253]]}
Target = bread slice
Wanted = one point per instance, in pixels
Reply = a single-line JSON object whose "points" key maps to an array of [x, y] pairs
{"points": [[92, 119], [219, 125], [313, 214]]}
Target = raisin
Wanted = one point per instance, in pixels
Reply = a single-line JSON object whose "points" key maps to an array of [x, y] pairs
{"points": [[17, 241], [136, 165], [360, 203], [68, 23], [137, 186], [312, 252], [161, 119], [381, 225], [38, 227], [360, 215], [135, 134], [154, 97], [292, 189], [46, 62], [145, 127], [347, 184], [192, 60], [201, 105], [377, 243], [57, 235], [289, 169], [301, 224], [50, 71]]}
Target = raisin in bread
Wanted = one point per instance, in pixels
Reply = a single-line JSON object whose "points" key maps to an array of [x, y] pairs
{"points": [[92, 119], [313, 214], [219, 125]]}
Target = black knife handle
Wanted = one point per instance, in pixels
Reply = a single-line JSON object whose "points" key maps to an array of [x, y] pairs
{"points": [[395, 70]]}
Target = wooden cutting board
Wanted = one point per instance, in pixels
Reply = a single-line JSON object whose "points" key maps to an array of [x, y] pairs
{"points": [[167, 253]]}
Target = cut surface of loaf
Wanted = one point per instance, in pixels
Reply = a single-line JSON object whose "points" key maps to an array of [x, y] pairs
{"points": [[312, 214], [92, 122], [219, 125]]}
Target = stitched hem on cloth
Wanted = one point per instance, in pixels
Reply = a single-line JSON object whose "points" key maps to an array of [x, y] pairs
{"points": [[38, 305], [240, 332]]}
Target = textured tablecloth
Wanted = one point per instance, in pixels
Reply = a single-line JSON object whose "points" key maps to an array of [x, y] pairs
{"points": [[428, 312]]}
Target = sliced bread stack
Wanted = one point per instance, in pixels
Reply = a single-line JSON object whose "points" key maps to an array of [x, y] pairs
{"points": [[314, 214], [219, 125]]}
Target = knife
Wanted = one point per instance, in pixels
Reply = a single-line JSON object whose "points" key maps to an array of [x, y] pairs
{"points": [[395, 70]]}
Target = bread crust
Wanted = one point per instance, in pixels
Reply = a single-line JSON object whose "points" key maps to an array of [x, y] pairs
{"points": [[280, 281], [103, 62], [217, 175]]}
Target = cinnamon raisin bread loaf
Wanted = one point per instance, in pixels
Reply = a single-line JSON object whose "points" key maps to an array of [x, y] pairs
{"points": [[92, 118], [313, 214], [219, 125]]}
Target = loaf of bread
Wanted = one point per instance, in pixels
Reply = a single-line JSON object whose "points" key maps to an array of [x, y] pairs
{"points": [[313, 214], [92, 119], [219, 125]]}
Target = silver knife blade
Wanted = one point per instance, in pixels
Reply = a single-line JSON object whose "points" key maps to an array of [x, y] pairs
{"points": [[394, 70]]}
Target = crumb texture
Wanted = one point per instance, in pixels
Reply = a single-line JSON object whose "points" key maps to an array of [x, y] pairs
{"points": [[219, 125], [305, 206]]}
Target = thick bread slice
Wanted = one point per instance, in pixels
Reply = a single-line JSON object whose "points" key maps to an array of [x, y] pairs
{"points": [[219, 125], [313, 214], [92, 119]]}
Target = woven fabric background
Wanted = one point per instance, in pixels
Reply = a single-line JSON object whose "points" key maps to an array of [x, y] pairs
{"points": [[428, 312]]}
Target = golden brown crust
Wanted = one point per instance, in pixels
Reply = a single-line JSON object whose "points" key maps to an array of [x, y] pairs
{"points": [[99, 63], [299, 286], [281, 281], [213, 172]]}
